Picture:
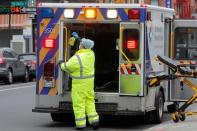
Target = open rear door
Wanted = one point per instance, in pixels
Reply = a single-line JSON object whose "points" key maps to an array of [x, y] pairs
{"points": [[131, 59], [63, 55]]}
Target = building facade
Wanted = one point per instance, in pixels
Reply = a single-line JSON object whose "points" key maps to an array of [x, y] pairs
{"points": [[185, 9], [12, 23]]}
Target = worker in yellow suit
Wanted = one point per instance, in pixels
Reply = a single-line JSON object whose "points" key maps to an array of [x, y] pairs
{"points": [[81, 69]]}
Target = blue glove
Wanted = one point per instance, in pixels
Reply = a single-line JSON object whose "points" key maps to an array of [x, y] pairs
{"points": [[60, 62], [75, 35]]}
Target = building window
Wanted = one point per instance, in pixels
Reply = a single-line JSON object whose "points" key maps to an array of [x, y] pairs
{"points": [[154, 2]]}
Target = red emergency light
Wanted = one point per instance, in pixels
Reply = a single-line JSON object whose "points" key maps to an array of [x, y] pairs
{"points": [[49, 43], [131, 44], [134, 14]]}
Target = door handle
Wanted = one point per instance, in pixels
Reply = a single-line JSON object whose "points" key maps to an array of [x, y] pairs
{"points": [[133, 68]]}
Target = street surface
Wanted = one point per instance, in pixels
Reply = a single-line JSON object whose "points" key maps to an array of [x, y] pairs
{"points": [[18, 99]]}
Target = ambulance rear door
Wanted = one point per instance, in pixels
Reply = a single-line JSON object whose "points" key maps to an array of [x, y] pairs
{"points": [[131, 59]]}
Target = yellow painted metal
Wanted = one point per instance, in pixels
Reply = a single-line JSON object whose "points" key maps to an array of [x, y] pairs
{"points": [[171, 45], [120, 45], [66, 43]]}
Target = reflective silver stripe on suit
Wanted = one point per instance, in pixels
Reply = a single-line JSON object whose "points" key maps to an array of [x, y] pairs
{"points": [[91, 116], [81, 71], [80, 119], [80, 64], [94, 121], [65, 65]]}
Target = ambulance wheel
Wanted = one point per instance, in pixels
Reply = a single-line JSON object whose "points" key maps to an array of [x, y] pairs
{"points": [[156, 116], [182, 116], [175, 117], [159, 103]]}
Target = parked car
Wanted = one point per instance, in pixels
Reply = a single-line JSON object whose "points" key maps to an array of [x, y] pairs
{"points": [[11, 67], [29, 59]]}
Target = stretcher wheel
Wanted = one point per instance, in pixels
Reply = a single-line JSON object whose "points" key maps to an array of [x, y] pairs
{"points": [[182, 116], [175, 117]]}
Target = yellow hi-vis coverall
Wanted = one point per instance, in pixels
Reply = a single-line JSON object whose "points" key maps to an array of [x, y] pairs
{"points": [[81, 69]]}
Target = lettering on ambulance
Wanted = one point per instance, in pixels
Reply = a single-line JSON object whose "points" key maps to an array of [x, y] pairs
{"points": [[155, 40], [51, 31]]}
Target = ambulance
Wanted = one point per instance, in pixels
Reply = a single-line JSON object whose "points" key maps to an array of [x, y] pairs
{"points": [[127, 38]]}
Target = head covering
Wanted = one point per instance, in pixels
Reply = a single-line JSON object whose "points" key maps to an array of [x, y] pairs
{"points": [[87, 43], [75, 35]]}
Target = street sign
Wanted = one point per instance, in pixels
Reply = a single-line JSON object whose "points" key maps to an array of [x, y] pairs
{"points": [[17, 7], [17, 10], [19, 3], [168, 3], [4, 10], [28, 10]]}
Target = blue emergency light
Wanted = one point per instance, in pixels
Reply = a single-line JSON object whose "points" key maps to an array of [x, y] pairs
{"points": [[47, 12]]}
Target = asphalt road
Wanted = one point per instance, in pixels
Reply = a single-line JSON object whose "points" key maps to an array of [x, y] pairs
{"points": [[17, 101]]}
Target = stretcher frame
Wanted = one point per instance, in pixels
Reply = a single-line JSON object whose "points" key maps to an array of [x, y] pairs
{"points": [[181, 73]]}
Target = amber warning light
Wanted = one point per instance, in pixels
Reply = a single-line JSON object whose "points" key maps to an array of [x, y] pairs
{"points": [[90, 13], [49, 43], [131, 44]]}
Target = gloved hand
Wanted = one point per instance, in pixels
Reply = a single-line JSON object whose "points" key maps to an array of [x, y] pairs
{"points": [[75, 35], [60, 62]]}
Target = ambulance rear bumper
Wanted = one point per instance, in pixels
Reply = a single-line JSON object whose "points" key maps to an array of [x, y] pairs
{"points": [[66, 107], [101, 108]]}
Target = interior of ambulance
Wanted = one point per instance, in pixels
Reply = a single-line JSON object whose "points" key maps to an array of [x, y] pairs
{"points": [[105, 37]]}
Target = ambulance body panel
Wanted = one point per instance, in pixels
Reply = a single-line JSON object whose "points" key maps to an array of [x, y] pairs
{"points": [[125, 47]]}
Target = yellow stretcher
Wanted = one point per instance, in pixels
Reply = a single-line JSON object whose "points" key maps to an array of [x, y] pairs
{"points": [[181, 73]]}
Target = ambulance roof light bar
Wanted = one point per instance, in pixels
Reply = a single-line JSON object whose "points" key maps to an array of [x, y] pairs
{"points": [[69, 13], [134, 14], [112, 14], [90, 13]]}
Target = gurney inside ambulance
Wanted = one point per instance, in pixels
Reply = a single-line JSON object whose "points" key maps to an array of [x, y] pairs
{"points": [[181, 72], [105, 37]]}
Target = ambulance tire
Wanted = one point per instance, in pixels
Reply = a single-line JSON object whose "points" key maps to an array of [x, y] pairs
{"points": [[159, 108], [156, 116]]}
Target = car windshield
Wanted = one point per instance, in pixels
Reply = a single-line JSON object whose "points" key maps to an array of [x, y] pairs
{"points": [[27, 57]]}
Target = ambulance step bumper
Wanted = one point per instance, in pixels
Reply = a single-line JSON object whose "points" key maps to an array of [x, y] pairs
{"points": [[104, 108], [100, 107], [46, 110]]}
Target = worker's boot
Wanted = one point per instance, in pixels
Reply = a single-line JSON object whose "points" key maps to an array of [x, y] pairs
{"points": [[95, 125]]}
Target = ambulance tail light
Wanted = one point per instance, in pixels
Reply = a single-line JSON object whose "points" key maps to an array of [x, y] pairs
{"points": [[134, 14], [131, 44], [90, 13], [49, 43], [49, 73]]}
